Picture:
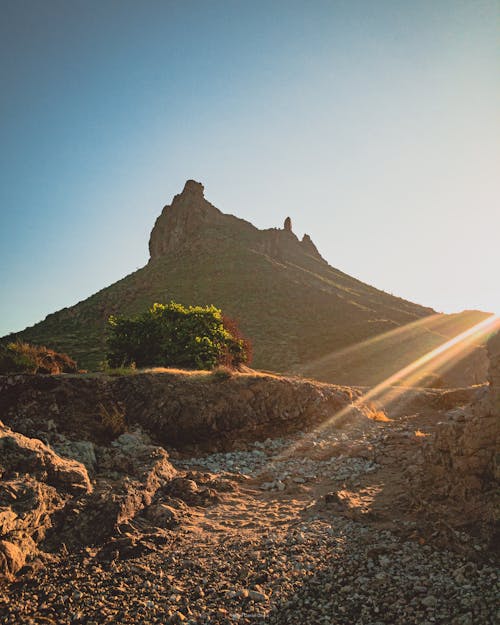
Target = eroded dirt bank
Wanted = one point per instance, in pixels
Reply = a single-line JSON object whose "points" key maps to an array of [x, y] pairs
{"points": [[176, 408]]}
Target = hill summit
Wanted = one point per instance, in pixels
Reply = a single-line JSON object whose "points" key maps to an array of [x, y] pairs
{"points": [[301, 314]]}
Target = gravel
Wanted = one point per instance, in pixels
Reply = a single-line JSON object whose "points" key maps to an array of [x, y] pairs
{"points": [[317, 572], [270, 459], [294, 568]]}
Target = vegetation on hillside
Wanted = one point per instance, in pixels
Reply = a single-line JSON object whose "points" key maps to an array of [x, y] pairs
{"points": [[20, 357], [193, 337]]}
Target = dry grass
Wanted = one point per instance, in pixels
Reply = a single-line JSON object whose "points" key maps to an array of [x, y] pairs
{"points": [[379, 416], [113, 418], [22, 357], [200, 373], [191, 373], [420, 434], [375, 414]]}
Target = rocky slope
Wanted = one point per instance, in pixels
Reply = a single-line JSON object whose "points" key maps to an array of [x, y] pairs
{"points": [[296, 309]]}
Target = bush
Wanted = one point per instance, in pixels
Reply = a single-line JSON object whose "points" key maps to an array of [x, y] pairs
{"points": [[193, 337], [20, 357]]}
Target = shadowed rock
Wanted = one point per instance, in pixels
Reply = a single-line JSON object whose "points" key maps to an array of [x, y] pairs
{"points": [[461, 465], [47, 500]]}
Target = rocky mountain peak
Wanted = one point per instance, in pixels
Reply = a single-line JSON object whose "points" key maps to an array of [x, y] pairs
{"points": [[183, 221], [187, 220]]}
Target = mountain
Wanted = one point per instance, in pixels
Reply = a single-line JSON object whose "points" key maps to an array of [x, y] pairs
{"points": [[301, 314]]}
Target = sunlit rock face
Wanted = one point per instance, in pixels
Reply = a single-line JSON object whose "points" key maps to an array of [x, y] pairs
{"points": [[494, 401]]}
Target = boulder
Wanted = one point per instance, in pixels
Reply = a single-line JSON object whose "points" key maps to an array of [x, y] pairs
{"points": [[20, 454]]}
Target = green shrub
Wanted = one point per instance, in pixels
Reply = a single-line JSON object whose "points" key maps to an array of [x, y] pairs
{"points": [[172, 335]]}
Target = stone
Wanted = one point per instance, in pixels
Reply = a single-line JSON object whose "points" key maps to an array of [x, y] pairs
{"points": [[12, 557], [163, 515], [81, 451], [255, 595], [429, 601], [141, 469], [21, 454]]}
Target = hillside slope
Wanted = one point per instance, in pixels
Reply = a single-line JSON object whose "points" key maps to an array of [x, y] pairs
{"points": [[294, 307]]}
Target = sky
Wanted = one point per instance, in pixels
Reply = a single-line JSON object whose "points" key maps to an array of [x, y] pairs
{"points": [[373, 125]]}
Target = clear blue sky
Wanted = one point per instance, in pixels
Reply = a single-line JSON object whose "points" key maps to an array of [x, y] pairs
{"points": [[373, 125]]}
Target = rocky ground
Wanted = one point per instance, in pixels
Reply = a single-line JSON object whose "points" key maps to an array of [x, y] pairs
{"points": [[318, 528]]}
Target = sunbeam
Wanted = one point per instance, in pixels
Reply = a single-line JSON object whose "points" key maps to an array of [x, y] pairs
{"points": [[396, 385], [378, 357]]}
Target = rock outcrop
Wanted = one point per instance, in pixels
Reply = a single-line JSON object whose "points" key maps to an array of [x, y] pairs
{"points": [[20, 454], [191, 219], [47, 500], [494, 375], [309, 247], [461, 468], [35, 483], [129, 473]]}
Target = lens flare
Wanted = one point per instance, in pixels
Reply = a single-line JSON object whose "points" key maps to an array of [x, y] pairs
{"points": [[396, 385]]}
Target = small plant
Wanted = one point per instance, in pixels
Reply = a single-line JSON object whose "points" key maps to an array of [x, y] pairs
{"points": [[130, 369], [113, 418], [222, 373]]}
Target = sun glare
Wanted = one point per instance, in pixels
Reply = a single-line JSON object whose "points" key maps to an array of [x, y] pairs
{"points": [[437, 360]]}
